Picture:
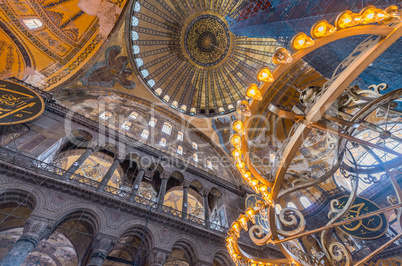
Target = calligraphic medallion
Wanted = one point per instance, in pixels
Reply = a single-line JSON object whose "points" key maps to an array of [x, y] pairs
{"points": [[18, 104], [367, 228], [261, 218]]}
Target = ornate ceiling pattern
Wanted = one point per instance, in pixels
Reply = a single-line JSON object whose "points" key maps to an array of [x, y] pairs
{"points": [[186, 56], [46, 42]]}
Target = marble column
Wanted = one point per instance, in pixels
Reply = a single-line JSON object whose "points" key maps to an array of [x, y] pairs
{"points": [[101, 246], [77, 164], [206, 207], [35, 230], [162, 191], [109, 173], [137, 181], [185, 199], [157, 258]]}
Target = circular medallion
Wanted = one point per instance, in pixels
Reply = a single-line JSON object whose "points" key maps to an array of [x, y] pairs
{"points": [[18, 104], [207, 40]]}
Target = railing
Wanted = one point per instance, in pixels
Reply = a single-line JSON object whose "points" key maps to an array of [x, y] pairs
{"points": [[58, 173]]}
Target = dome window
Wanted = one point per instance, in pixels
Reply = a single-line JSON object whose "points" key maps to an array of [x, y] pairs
{"points": [[134, 21], [134, 115], [158, 91], [126, 125], [162, 142], [305, 202], [105, 115], [180, 136], [134, 35], [145, 134], [167, 128], [137, 7], [152, 122], [195, 157], [180, 150], [33, 23], [195, 146]]}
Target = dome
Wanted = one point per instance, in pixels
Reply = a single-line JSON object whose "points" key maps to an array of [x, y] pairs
{"points": [[189, 53]]}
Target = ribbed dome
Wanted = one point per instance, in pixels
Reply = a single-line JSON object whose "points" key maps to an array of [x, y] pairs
{"points": [[185, 54]]}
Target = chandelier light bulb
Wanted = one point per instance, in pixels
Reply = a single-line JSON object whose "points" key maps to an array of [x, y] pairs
{"points": [[254, 92], [241, 166], [302, 41], [347, 19], [251, 214], [264, 75], [238, 126], [236, 228], [254, 184], [371, 14], [243, 221], [236, 153], [281, 56], [243, 108], [322, 28], [235, 139]]}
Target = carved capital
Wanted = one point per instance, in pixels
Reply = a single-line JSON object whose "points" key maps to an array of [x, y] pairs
{"points": [[38, 228], [103, 244], [204, 192], [149, 174], [157, 258], [186, 184], [165, 175]]}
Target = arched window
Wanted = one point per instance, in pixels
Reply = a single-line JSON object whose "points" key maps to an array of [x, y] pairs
{"points": [[180, 150], [278, 209], [152, 122], [32, 23], [192, 111], [162, 142], [145, 134], [166, 98], [158, 91], [183, 108], [105, 115], [134, 115], [195, 146], [305, 202], [221, 110], [209, 165], [291, 205], [175, 104], [195, 157], [167, 128], [126, 125], [180, 136]]}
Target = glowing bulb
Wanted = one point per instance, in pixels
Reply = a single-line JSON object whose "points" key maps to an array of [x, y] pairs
{"points": [[241, 166], [392, 12], [235, 139], [301, 41], [371, 14], [253, 92], [236, 228], [281, 56], [247, 175], [243, 108], [265, 75], [230, 239], [322, 28], [254, 184], [236, 153], [243, 221], [251, 214], [238, 126], [347, 19]]}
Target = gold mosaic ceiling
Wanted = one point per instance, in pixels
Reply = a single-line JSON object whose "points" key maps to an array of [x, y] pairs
{"points": [[186, 56]]}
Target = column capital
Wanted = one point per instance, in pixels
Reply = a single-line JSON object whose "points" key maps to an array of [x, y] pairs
{"points": [[149, 173], [103, 243], [186, 184], [165, 175], [37, 228], [204, 192], [158, 257]]}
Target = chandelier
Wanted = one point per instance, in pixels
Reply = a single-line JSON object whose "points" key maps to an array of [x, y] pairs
{"points": [[360, 113]]}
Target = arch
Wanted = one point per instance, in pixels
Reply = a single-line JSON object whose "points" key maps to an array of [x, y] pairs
{"points": [[177, 175], [135, 244], [20, 191], [93, 214], [130, 224], [21, 197], [196, 185], [78, 138], [109, 148], [216, 192], [222, 258], [186, 244]]}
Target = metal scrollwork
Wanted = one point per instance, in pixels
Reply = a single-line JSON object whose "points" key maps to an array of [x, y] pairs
{"points": [[258, 236], [290, 217], [339, 252]]}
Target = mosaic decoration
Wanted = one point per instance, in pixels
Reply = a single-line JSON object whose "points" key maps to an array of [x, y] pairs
{"points": [[261, 218], [18, 104], [113, 69], [207, 40], [186, 56]]}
